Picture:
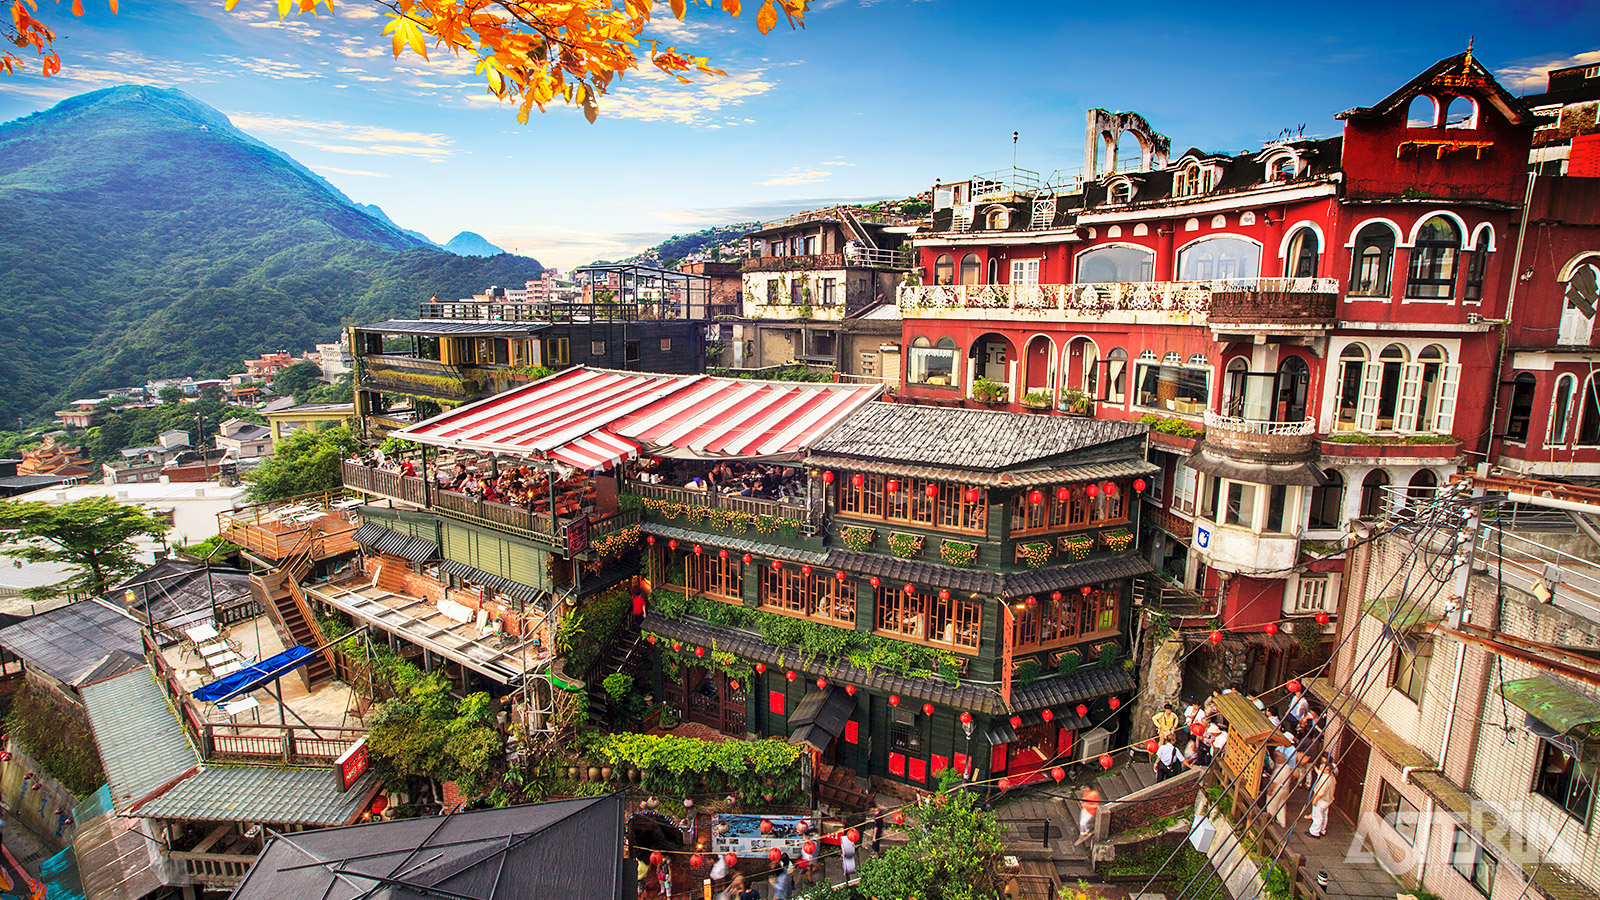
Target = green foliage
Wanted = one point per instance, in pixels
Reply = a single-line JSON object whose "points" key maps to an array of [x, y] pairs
{"points": [[147, 237], [1068, 663], [987, 390], [585, 631], [297, 380], [302, 463], [1027, 671], [774, 373], [617, 685], [1166, 425], [1357, 437], [1184, 868], [170, 394], [1110, 654], [953, 854], [57, 740], [425, 732], [214, 548], [675, 765], [96, 534], [120, 429]]}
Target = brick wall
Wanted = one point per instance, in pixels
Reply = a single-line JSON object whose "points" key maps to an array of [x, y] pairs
{"points": [[1139, 809], [1271, 306]]}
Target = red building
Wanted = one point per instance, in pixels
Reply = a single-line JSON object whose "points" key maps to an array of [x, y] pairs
{"points": [[1309, 326]]}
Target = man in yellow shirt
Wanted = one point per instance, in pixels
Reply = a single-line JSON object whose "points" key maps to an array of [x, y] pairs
{"points": [[1166, 721]]}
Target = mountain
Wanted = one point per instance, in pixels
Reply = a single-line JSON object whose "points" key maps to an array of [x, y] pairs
{"points": [[696, 246], [144, 236], [469, 243], [376, 211]]}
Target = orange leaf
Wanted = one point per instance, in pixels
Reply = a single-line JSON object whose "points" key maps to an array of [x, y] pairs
{"points": [[77, 8], [678, 9], [731, 7], [766, 18], [113, 7]]}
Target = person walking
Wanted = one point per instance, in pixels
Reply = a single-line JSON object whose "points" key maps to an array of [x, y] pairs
{"points": [[784, 882], [878, 815], [1166, 762], [1321, 799], [1088, 808], [1166, 720], [1279, 788]]}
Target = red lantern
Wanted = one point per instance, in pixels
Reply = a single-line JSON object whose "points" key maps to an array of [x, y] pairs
{"points": [[944, 595], [379, 804], [809, 848], [1086, 590], [1082, 710], [910, 588], [827, 478], [1295, 687], [1036, 497], [672, 544], [1092, 490], [1114, 702], [927, 709], [822, 684], [855, 836], [766, 826], [774, 854], [894, 699], [1031, 600], [1059, 774], [931, 491], [1055, 596], [745, 559], [790, 675], [722, 554], [973, 495], [699, 651], [850, 689], [966, 718], [805, 570], [840, 575], [1106, 761], [891, 486], [1151, 747], [1216, 637], [857, 481], [730, 860], [656, 857], [696, 861], [676, 646], [698, 550], [1271, 628], [651, 540], [899, 818], [651, 639], [1063, 495], [761, 668], [1005, 784], [1047, 714], [1016, 721], [1323, 618], [1110, 488], [777, 566], [1197, 729], [1138, 485]]}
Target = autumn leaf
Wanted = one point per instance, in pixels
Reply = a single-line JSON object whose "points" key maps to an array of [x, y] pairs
{"points": [[766, 17], [77, 8], [678, 9]]}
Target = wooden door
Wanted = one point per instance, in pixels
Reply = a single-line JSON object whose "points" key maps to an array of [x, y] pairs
{"points": [[1352, 778]]}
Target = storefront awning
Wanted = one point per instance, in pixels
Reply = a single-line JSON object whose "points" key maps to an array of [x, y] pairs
{"points": [[593, 419], [1561, 709], [1398, 613], [395, 543], [481, 578]]}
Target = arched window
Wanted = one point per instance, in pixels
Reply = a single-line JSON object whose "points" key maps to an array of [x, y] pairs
{"points": [[1294, 379], [1423, 112], [1304, 252], [1283, 168], [994, 271], [1121, 192], [1327, 502], [928, 363], [999, 217], [1237, 378], [1436, 391], [1109, 265], [1461, 113], [1373, 494], [1521, 408], [1433, 260], [1390, 370], [1589, 415], [1219, 258], [1372, 261], [1117, 375], [1561, 411], [970, 269], [1421, 487], [1577, 313], [944, 270], [1477, 261], [1352, 372]]}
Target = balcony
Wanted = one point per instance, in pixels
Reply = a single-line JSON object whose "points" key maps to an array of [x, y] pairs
{"points": [[752, 518], [804, 262], [1165, 302], [413, 376], [277, 530], [1261, 441], [1275, 305], [1230, 548]]}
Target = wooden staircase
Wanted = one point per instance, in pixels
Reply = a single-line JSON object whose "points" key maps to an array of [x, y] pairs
{"points": [[624, 655], [280, 593]]}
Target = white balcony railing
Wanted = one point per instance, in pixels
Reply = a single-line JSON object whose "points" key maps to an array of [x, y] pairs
{"points": [[1174, 296], [1219, 422]]}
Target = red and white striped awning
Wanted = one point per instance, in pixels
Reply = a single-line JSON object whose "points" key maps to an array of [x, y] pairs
{"points": [[593, 419]]}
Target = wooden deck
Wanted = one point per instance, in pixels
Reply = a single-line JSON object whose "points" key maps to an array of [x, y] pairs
{"points": [[275, 531]]}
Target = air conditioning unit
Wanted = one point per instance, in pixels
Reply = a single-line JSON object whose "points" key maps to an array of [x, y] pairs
{"points": [[1091, 744]]}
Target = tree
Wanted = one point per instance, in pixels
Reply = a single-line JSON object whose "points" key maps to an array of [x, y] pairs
{"points": [[303, 463], [95, 534], [529, 52], [298, 380], [425, 733], [170, 394]]}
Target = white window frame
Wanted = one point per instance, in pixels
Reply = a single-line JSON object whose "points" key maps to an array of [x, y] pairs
{"points": [[1026, 271], [1311, 592]]}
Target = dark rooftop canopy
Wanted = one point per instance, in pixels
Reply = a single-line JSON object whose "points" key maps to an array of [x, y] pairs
{"points": [[68, 643], [967, 438]]}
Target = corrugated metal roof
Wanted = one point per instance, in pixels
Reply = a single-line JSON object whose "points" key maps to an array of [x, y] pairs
{"points": [[275, 796], [452, 326], [69, 642], [1009, 478], [489, 579], [395, 543], [142, 744], [967, 438]]}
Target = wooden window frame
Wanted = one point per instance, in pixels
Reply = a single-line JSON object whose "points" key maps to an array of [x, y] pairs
{"points": [[1068, 621], [819, 597], [709, 575], [1080, 511], [959, 616], [910, 505]]}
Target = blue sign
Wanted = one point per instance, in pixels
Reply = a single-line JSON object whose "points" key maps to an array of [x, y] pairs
{"points": [[1202, 537]]}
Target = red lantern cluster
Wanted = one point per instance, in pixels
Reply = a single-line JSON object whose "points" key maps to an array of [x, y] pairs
{"points": [[777, 565]]}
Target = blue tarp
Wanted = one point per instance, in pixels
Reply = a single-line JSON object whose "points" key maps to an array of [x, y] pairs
{"points": [[251, 677]]}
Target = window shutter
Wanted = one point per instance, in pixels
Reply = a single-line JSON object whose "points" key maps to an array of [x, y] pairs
{"points": [[852, 732], [1410, 387], [918, 770], [1371, 384], [1444, 421]]}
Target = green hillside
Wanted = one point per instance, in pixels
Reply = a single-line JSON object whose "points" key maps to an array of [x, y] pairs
{"points": [[144, 236]]}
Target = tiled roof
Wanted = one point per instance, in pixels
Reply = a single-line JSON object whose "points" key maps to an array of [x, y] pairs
{"points": [[1083, 685], [1013, 478], [988, 581], [967, 439], [736, 544], [142, 745], [275, 796]]}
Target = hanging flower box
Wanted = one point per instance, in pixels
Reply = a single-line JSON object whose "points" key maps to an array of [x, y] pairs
{"points": [[859, 539], [904, 545], [958, 553], [1117, 539], [1076, 546], [1035, 553]]}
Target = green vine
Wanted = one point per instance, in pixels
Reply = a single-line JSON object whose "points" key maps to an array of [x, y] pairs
{"points": [[1076, 546], [613, 544]]}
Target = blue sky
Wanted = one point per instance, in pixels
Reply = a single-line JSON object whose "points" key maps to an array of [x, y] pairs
{"points": [[870, 100]]}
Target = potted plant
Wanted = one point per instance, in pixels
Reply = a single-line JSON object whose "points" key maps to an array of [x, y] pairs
{"points": [[1077, 546], [1036, 399], [1075, 402], [986, 390]]}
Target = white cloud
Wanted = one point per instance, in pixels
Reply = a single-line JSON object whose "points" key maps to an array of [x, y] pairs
{"points": [[342, 137], [360, 172], [837, 163], [1529, 77], [692, 104], [798, 176], [268, 68]]}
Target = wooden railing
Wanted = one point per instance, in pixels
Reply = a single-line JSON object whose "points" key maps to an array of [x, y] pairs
{"points": [[278, 743], [256, 529], [224, 869], [408, 488], [757, 506]]}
